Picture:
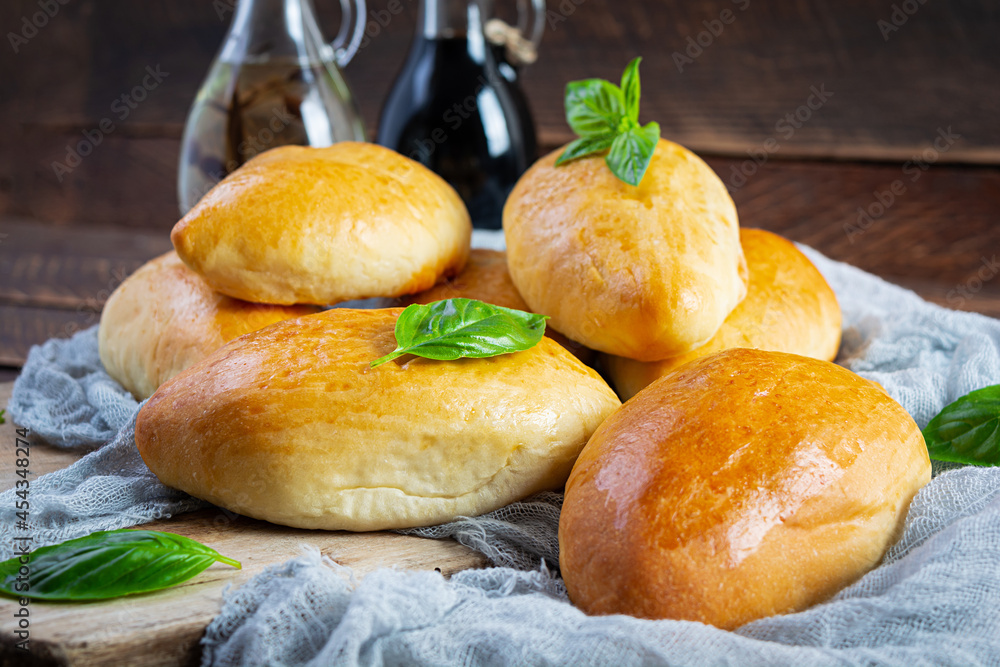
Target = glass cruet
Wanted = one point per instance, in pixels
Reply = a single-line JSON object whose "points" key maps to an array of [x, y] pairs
{"points": [[457, 105], [275, 82]]}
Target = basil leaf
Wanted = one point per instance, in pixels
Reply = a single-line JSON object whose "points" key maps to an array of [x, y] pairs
{"points": [[454, 328], [585, 146], [968, 430], [605, 116], [630, 91], [631, 152], [594, 107], [107, 564]]}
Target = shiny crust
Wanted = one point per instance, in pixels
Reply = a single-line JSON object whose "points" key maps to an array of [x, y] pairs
{"points": [[324, 225], [742, 485], [644, 272], [290, 425], [486, 278], [164, 318], [789, 307]]}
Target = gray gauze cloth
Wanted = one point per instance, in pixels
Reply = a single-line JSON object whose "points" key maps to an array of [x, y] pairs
{"points": [[934, 600], [64, 397]]}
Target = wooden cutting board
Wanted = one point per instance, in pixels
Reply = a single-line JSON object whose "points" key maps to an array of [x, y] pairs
{"points": [[164, 628]]}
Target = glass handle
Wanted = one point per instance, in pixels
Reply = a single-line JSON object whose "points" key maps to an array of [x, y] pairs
{"points": [[520, 45], [352, 12], [539, 26]]}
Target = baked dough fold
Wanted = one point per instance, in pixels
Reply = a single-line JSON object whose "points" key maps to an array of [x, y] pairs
{"points": [[324, 225], [291, 425]]}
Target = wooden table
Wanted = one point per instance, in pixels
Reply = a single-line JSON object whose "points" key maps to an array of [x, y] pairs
{"points": [[897, 171]]}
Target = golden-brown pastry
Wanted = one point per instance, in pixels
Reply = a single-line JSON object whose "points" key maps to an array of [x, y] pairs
{"points": [[789, 307], [645, 272], [164, 318], [291, 425], [744, 484], [323, 225], [485, 278]]}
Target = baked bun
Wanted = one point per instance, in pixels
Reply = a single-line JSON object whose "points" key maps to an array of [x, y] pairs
{"points": [[324, 225], [742, 485], [485, 278], [645, 272], [291, 425], [164, 318], [789, 307]]}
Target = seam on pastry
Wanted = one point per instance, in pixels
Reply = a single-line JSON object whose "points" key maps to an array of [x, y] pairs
{"points": [[477, 489], [593, 264]]}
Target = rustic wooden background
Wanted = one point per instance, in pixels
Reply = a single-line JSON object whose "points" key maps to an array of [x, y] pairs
{"points": [[900, 73]]}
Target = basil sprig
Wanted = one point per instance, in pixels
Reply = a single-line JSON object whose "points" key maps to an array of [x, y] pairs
{"points": [[968, 430], [107, 564], [456, 328], [606, 118]]}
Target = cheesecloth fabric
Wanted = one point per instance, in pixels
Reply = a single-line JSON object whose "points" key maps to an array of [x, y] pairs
{"points": [[935, 600]]}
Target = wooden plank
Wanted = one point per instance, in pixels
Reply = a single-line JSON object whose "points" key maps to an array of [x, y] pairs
{"points": [[889, 98], [126, 181], [24, 326], [164, 628], [57, 278], [891, 87], [69, 267], [937, 231]]}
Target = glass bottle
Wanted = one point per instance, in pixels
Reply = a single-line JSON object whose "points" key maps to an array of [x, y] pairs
{"points": [[457, 106], [275, 82]]}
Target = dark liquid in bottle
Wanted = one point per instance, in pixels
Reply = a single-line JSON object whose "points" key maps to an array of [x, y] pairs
{"points": [[459, 115]]}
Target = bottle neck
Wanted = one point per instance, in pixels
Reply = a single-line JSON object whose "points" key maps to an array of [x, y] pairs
{"points": [[267, 29], [445, 19]]}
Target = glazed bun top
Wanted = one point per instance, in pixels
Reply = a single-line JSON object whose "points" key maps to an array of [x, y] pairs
{"points": [[323, 225], [741, 485], [645, 272], [291, 424], [164, 318], [484, 278]]}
